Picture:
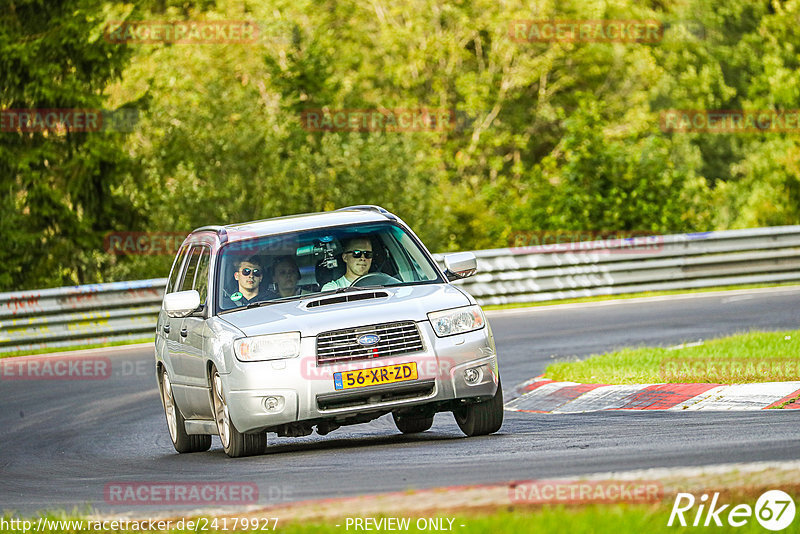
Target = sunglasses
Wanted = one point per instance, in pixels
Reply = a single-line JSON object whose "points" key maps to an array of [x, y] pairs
{"points": [[247, 270], [358, 253]]}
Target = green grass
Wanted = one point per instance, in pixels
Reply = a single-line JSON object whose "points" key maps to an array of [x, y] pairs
{"points": [[50, 350], [743, 358], [595, 518], [626, 296]]}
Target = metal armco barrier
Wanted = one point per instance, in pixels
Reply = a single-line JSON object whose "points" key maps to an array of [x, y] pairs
{"points": [[65, 316], [127, 310], [654, 263]]}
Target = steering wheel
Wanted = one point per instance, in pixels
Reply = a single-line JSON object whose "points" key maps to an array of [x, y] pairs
{"points": [[374, 279]]}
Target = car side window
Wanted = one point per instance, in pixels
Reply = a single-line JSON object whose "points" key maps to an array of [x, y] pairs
{"points": [[190, 269], [201, 277], [174, 276]]}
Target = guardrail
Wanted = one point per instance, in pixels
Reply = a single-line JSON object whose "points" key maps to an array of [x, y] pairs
{"points": [[654, 263], [78, 315], [121, 311]]}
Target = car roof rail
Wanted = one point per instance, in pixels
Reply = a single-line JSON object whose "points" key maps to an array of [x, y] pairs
{"points": [[370, 207], [221, 231]]}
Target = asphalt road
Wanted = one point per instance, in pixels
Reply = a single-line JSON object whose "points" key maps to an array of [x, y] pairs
{"points": [[64, 441]]}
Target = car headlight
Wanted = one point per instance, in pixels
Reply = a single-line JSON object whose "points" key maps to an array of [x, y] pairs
{"points": [[457, 321], [268, 347]]}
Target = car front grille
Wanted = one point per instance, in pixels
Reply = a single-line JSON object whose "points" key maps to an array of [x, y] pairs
{"points": [[342, 345]]}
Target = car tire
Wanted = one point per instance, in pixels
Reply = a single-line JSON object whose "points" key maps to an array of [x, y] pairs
{"points": [[182, 441], [481, 418], [236, 444], [412, 424]]}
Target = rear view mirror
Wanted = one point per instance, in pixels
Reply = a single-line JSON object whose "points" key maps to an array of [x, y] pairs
{"points": [[181, 303], [460, 265]]}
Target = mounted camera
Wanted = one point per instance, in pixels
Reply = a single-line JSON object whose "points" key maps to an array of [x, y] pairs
{"points": [[324, 252]]}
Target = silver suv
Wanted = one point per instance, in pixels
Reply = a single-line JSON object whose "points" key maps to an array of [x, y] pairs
{"points": [[316, 321]]}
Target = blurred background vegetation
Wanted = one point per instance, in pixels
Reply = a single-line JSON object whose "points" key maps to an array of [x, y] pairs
{"points": [[554, 136]]}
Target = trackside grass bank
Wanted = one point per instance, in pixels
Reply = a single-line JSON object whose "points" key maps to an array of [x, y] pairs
{"points": [[738, 359], [53, 350], [633, 502], [595, 518]]}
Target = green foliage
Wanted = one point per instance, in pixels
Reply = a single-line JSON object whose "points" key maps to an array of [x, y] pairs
{"points": [[550, 135], [597, 180], [59, 191]]}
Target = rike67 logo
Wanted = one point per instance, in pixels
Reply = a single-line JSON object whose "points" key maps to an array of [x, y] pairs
{"points": [[774, 510]]}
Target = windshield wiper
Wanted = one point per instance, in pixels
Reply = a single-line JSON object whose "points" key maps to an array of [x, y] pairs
{"points": [[258, 303], [276, 301]]}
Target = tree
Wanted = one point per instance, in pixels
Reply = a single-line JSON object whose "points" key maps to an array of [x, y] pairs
{"points": [[60, 189]]}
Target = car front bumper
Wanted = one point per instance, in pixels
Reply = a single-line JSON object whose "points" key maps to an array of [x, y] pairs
{"points": [[268, 394]]}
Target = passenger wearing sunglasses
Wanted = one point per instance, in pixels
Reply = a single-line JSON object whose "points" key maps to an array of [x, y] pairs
{"points": [[249, 275], [357, 256]]}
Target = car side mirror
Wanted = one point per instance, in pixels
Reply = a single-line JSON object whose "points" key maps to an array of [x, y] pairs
{"points": [[181, 303], [460, 265]]}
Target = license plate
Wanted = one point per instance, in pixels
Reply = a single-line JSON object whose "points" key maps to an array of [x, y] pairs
{"points": [[359, 378]]}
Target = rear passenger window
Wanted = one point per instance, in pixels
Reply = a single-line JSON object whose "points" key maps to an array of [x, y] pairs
{"points": [[174, 276], [191, 268], [201, 278]]}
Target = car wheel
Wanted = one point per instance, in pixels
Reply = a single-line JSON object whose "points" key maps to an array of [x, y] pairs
{"points": [[412, 425], [182, 441], [481, 418], [236, 444]]}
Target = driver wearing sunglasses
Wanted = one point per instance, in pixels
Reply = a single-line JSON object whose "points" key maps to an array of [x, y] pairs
{"points": [[357, 256], [249, 275]]}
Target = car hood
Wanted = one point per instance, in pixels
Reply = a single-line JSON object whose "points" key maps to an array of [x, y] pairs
{"points": [[316, 314]]}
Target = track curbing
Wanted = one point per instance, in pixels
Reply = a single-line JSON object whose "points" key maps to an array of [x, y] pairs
{"points": [[541, 395]]}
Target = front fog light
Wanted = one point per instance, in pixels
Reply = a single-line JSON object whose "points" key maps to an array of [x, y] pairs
{"points": [[274, 404], [473, 375]]}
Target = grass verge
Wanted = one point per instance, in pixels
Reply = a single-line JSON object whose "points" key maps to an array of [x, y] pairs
{"points": [[51, 350], [738, 359], [619, 518], [504, 507]]}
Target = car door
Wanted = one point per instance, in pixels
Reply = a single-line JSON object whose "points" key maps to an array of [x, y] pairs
{"points": [[193, 328], [181, 349], [168, 327]]}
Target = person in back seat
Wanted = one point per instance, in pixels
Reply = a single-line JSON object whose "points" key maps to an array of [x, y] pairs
{"points": [[285, 276]]}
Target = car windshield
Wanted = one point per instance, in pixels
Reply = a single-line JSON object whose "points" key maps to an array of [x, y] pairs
{"points": [[292, 265]]}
